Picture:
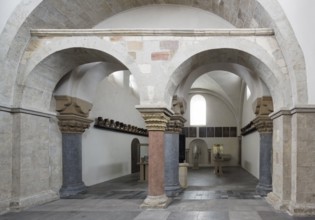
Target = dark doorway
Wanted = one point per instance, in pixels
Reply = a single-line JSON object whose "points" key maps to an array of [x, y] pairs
{"points": [[135, 155]]}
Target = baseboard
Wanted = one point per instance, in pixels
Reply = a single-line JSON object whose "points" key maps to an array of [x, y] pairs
{"points": [[37, 199]]}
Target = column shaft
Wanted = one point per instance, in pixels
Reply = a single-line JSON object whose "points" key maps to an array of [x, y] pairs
{"points": [[72, 165], [156, 163], [156, 120], [172, 186], [265, 164]]}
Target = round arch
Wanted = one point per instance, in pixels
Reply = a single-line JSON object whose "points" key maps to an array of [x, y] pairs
{"points": [[251, 14], [50, 64], [249, 55]]}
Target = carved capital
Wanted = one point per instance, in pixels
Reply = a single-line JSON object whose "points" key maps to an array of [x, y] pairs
{"points": [[178, 105], [263, 124], [73, 113], [156, 119], [264, 105], [67, 105], [73, 123], [176, 124]]}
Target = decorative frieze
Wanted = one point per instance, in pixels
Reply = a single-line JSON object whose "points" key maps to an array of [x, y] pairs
{"points": [[110, 124], [248, 129]]}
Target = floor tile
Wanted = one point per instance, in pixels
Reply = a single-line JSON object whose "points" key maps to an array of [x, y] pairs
{"points": [[153, 215], [244, 215]]}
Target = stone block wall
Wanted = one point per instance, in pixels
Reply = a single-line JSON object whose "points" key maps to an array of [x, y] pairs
{"points": [[5, 160]]}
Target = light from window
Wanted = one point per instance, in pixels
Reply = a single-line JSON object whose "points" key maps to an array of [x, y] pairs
{"points": [[248, 93], [198, 110]]}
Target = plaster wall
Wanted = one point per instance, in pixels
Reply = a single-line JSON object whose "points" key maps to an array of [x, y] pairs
{"points": [[300, 13], [250, 142], [106, 154], [218, 115]]}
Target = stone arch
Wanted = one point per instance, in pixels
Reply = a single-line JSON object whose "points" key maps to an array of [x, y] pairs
{"points": [[251, 79], [256, 86], [242, 14], [233, 51], [68, 56]]}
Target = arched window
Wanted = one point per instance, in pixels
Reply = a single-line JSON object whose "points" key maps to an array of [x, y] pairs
{"points": [[198, 110]]}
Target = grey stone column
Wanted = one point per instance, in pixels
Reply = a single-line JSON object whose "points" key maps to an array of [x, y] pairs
{"points": [[265, 165], [71, 165], [264, 127], [174, 127], [73, 121], [171, 183]]}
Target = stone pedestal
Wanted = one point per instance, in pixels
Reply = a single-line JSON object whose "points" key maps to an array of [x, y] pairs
{"points": [[183, 170], [73, 121], [156, 120]]}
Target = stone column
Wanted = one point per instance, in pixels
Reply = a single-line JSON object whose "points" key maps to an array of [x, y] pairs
{"points": [[73, 121], [264, 125], [156, 120], [174, 128]]}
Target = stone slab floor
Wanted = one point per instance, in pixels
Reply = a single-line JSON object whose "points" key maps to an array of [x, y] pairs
{"points": [[229, 197]]}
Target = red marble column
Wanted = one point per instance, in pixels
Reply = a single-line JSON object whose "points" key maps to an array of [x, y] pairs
{"points": [[156, 120], [156, 163]]}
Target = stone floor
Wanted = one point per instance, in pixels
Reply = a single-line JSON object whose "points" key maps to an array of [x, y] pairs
{"points": [[230, 197]]}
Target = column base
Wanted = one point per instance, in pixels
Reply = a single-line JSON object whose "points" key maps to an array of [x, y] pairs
{"points": [[159, 202], [173, 191], [276, 202], [72, 190], [263, 190]]}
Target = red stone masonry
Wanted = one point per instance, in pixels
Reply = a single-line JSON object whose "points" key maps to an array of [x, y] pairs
{"points": [[163, 55]]}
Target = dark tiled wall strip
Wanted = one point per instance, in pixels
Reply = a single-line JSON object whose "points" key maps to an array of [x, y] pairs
{"points": [[211, 132]]}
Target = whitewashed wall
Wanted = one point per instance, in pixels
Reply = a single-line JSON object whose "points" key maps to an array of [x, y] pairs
{"points": [[106, 154], [218, 115], [250, 142]]}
